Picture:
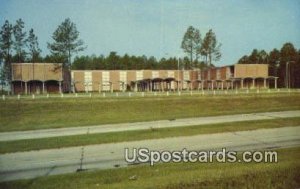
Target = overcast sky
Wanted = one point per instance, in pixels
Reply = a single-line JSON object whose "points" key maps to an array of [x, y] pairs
{"points": [[155, 28]]}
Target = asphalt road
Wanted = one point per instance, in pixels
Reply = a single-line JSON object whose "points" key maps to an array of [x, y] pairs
{"points": [[33, 164], [19, 135]]}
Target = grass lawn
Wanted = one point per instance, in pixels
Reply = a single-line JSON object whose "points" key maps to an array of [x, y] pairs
{"points": [[27, 114], [284, 174], [80, 140]]}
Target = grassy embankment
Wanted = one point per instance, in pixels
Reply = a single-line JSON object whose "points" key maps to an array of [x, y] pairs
{"points": [[88, 139], [28, 114], [284, 174]]}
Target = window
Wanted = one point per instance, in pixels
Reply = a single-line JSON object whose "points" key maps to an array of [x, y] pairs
{"points": [[105, 81], [139, 75], [88, 81], [155, 74]]}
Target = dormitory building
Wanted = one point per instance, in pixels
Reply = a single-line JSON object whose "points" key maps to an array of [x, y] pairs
{"points": [[38, 78]]}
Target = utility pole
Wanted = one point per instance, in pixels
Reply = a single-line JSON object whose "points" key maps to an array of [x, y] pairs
{"points": [[287, 75]]}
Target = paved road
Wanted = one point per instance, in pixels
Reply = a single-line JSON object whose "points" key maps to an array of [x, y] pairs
{"points": [[32, 164], [19, 135]]}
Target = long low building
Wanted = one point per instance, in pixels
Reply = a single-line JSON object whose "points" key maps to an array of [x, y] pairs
{"points": [[134, 80], [50, 77], [37, 78]]}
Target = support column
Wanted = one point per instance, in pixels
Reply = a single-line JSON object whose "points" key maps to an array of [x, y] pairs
{"points": [[222, 85], [181, 85], [11, 87], [242, 83], [212, 85], [275, 83], [26, 92], [253, 82], [43, 87], [265, 83], [59, 86], [232, 83], [135, 86], [111, 87], [73, 83]]}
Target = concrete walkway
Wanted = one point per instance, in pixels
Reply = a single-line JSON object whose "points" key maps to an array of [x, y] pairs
{"points": [[33, 164], [33, 134]]}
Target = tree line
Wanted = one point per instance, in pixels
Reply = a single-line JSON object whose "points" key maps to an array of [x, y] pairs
{"points": [[281, 62], [200, 53], [130, 62]]}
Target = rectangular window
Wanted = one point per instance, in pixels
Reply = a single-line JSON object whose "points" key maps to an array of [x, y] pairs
{"points": [[171, 74], [88, 81], [105, 81], [139, 75], [186, 75], [155, 74], [228, 73], [123, 80], [218, 74]]}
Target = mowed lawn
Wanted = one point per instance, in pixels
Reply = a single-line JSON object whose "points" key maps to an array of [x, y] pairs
{"points": [[26, 114], [284, 174], [114, 137]]}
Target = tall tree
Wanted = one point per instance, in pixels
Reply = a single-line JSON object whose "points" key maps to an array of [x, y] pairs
{"points": [[274, 58], [288, 64], [33, 46], [244, 60], [6, 43], [263, 57], [20, 40], [66, 41], [191, 43], [211, 48]]}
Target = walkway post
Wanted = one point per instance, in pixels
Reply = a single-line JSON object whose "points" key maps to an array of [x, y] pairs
{"points": [[59, 84], [253, 83], [242, 83], [26, 87]]}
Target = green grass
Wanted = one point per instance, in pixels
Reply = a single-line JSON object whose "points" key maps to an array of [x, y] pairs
{"points": [[27, 114], [80, 140], [284, 174]]}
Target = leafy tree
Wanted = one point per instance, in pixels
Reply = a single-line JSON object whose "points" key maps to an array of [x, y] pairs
{"points": [[191, 43], [274, 58], [33, 46], [20, 40], [113, 60], [263, 57], [288, 60], [211, 48], [279, 61], [254, 57], [244, 60], [55, 58], [288, 52], [6, 43], [66, 41]]}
